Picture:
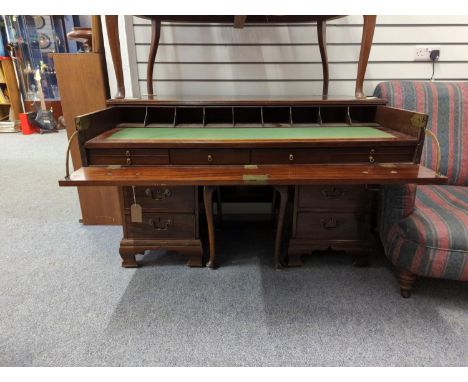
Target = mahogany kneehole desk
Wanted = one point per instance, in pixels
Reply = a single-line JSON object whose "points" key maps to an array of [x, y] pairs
{"points": [[321, 154]]}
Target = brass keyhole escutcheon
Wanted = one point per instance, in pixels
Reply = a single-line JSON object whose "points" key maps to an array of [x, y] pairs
{"points": [[371, 159], [372, 151], [127, 153], [210, 158], [129, 161], [291, 157]]}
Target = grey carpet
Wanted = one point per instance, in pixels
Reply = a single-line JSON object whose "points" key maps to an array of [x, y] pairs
{"points": [[65, 300]]}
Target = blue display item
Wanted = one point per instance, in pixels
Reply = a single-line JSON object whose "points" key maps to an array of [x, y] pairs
{"points": [[34, 38], [3, 39]]}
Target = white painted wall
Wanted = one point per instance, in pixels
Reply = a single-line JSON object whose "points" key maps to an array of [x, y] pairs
{"points": [[201, 59]]}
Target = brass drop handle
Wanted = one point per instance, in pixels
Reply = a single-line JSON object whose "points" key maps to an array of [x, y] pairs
{"points": [[158, 194], [330, 223], [129, 161], [333, 192], [291, 157], [158, 226], [371, 159], [210, 158], [67, 159]]}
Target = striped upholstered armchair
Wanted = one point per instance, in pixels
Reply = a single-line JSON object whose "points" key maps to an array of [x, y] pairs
{"points": [[424, 229]]}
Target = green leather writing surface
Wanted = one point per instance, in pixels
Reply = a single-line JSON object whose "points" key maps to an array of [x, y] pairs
{"points": [[264, 133]]}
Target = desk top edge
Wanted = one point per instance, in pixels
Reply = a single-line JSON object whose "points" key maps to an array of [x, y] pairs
{"points": [[246, 101]]}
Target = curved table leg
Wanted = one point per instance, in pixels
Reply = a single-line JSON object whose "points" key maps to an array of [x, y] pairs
{"points": [[208, 201], [322, 40], [155, 35], [366, 44], [219, 207], [112, 24], [283, 191]]}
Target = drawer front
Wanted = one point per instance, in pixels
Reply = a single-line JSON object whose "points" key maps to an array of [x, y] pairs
{"points": [[281, 156], [316, 155], [128, 157], [334, 197], [170, 199], [331, 226], [162, 226], [207, 156]]}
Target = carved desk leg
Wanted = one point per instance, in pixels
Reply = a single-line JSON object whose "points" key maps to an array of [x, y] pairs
{"points": [[322, 40], [208, 200], [128, 258], [155, 35], [366, 44], [112, 23], [283, 191]]}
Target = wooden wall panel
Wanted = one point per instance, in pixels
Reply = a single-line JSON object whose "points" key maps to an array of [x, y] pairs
{"points": [[83, 86]]}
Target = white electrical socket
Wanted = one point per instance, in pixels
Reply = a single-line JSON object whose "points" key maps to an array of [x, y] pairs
{"points": [[422, 53]]}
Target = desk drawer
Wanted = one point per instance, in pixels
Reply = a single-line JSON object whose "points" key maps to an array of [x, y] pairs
{"points": [[331, 226], [316, 155], [281, 156], [161, 226], [207, 156], [128, 157], [170, 199], [334, 197]]}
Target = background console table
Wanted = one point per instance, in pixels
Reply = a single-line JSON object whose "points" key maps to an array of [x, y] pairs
{"points": [[239, 22]]}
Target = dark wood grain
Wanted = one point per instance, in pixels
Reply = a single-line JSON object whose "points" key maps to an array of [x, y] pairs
{"points": [[283, 192], [330, 225], [332, 217], [208, 201], [112, 24], [160, 225], [322, 40], [209, 157], [174, 229], [240, 175], [366, 44], [339, 197], [162, 199], [155, 36], [239, 100]]}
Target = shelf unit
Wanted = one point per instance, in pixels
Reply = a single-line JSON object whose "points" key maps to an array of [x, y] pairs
{"points": [[10, 103]]}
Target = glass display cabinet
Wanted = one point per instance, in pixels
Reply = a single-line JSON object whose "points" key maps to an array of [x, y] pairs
{"points": [[32, 39]]}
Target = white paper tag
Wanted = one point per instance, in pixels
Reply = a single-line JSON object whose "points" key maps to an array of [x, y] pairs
{"points": [[136, 213]]}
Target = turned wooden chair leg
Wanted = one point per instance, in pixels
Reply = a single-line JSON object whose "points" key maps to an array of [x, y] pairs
{"points": [[322, 40], [406, 280], [208, 201], [155, 35], [283, 191]]}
